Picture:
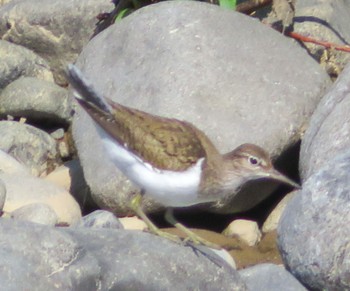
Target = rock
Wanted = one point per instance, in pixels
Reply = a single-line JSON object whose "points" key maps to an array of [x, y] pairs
{"points": [[29, 145], [329, 131], [183, 73], [270, 277], [70, 176], [17, 61], [314, 232], [2, 195], [58, 41], [104, 259], [58, 133], [37, 100], [325, 20], [34, 190], [165, 265], [133, 222], [101, 219], [10, 165], [246, 230], [37, 213], [273, 219], [44, 257]]}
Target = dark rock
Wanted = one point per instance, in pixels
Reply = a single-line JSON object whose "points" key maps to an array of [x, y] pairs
{"points": [[314, 232], [17, 61], [270, 277], [189, 63], [37, 100]]}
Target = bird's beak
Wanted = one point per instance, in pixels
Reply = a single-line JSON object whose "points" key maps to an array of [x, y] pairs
{"points": [[276, 175]]}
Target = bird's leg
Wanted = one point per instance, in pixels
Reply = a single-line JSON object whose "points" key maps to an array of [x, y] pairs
{"points": [[136, 206], [191, 236]]}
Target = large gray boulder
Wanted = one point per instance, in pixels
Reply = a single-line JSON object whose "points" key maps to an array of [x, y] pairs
{"points": [[47, 258], [234, 78], [314, 232]]}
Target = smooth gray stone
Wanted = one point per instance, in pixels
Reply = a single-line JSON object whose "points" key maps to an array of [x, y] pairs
{"points": [[55, 31], [17, 61], [37, 213], [270, 277], [314, 232], [101, 219], [104, 259], [329, 131], [192, 65], [43, 258], [29, 145], [37, 100]]}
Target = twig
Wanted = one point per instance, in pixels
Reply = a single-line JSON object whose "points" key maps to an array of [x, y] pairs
{"points": [[297, 36]]}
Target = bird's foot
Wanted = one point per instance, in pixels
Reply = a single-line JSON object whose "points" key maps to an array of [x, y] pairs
{"points": [[198, 240], [135, 204], [164, 234], [191, 236]]}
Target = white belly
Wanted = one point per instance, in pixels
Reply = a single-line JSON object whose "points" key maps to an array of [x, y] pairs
{"points": [[170, 188]]}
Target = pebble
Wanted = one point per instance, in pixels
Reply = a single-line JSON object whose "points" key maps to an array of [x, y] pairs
{"points": [[246, 230], [101, 219], [29, 145]]}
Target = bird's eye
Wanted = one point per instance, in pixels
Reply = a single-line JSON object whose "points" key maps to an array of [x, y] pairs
{"points": [[253, 161]]}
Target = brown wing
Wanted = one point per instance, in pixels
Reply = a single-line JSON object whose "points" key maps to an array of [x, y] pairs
{"points": [[170, 144]]}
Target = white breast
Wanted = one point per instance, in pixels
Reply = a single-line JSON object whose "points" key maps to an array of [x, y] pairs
{"points": [[170, 188]]}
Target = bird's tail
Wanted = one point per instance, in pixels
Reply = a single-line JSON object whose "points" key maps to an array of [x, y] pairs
{"points": [[85, 90]]}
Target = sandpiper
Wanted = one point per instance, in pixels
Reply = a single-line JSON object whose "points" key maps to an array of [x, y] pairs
{"points": [[172, 161]]}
